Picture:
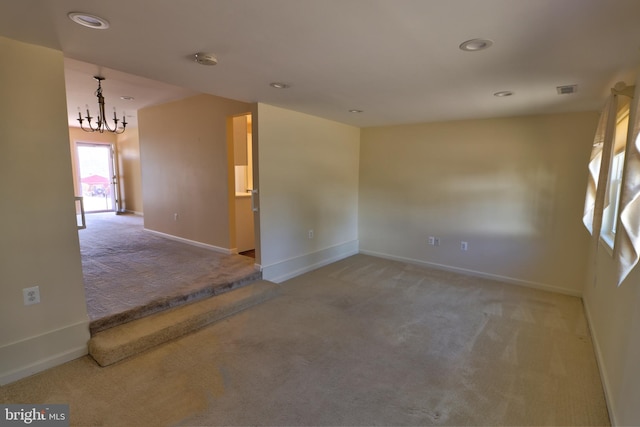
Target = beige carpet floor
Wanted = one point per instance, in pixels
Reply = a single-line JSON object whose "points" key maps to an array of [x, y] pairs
{"points": [[363, 341], [130, 273]]}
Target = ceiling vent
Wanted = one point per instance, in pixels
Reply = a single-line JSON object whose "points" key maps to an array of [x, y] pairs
{"points": [[567, 90]]}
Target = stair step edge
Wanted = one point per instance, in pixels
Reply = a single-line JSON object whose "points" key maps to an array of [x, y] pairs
{"points": [[170, 303], [120, 342]]}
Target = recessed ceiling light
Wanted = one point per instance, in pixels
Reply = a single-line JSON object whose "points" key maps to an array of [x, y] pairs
{"points": [[203, 58], [503, 93], [87, 20], [475, 45], [127, 98], [279, 85], [355, 111]]}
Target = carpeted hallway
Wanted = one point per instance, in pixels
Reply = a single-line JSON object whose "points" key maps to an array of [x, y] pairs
{"points": [[363, 341], [130, 273]]}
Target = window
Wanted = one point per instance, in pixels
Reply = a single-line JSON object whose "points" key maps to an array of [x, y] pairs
{"points": [[612, 204]]}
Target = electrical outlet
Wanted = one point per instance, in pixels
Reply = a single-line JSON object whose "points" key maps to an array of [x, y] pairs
{"points": [[464, 246], [310, 234], [31, 295], [432, 241], [175, 216]]}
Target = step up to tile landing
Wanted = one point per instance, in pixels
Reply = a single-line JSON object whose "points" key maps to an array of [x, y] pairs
{"points": [[115, 344]]}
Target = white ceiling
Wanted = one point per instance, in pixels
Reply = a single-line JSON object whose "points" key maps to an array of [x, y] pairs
{"points": [[398, 60]]}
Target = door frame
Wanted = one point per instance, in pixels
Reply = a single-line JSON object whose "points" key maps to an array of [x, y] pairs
{"points": [[252, 175], [114, 185]]}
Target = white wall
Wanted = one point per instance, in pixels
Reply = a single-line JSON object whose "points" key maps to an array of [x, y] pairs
{"points": [[308, 180], [39, 241], [512, 188]]}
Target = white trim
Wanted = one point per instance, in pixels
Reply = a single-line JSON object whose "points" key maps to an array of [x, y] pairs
{"points": [[31, 355], [604, 378], [292, 267], [475, 273], [191, 242], [606, 241]]}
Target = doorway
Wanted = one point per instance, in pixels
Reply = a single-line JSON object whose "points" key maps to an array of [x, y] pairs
{"points": [[243, 184], [96, 176]]}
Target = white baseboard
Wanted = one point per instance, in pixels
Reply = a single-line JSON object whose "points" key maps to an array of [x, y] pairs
{"points": [[31, 355], [290, 268], [191, 242], [604, 378], [475, 273]]}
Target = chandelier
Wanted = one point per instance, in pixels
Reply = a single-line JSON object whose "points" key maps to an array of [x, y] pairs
{"points": [[101, 124]]}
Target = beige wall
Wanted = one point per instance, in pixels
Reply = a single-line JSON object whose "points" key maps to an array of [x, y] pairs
{"points": [[39, 244], [130, 170], [614, 318], [512, 188], [308, 180], [185, 168]]}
